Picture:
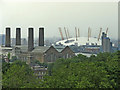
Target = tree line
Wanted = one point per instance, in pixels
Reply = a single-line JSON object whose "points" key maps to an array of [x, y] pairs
{"points": [[101, 71]]}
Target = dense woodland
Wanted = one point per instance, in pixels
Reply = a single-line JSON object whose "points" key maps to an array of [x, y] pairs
{"points": [[101, 71]]}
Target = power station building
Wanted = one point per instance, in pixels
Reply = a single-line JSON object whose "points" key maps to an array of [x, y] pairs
{"points": [[50, 54], [28, 52]]}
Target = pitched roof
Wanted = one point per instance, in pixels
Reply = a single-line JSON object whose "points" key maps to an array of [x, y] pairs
{"points": [[41, 49], [66, 48], [59, 48]]}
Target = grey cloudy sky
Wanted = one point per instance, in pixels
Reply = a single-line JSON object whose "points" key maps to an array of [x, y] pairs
{"points": [[52, 15]]}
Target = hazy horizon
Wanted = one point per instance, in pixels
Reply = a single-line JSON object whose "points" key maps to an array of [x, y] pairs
{"points": [[52, 15]]}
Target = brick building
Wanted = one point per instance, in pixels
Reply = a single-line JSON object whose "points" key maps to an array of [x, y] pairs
{"points": [[44, 53]]}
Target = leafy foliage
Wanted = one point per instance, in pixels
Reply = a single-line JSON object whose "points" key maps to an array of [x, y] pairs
{"points": [[38, 62], [14, 58], [101, 71], [8, 55], [5, 67], [18, 75]]}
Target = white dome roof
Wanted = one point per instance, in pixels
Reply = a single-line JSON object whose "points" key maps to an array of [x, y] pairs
{"points": [[80, 41]]}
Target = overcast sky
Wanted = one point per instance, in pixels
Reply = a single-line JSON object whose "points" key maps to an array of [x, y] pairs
{"points": [[52, 15]]}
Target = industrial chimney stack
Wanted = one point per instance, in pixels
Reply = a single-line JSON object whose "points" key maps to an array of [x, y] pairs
{"points": [[30, 39], [18, 36], [41, 36], [8, 38]]}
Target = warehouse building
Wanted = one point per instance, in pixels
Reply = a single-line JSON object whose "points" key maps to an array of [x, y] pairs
{"points": [[45, 54]]}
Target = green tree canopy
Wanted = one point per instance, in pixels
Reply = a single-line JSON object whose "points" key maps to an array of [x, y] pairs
{"points": [[18, 75], [99, 71]]}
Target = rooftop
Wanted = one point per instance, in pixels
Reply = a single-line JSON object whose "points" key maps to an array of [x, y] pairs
{"points": [[59, 48], [41, 49], [80, 41]]}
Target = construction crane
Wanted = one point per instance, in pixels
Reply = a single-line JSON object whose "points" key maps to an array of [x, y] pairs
{"points": [[66, 33], [99, 34], [106, 31], [61, 33], [76, 33]]}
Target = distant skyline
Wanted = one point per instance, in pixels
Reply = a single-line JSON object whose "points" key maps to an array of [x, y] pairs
{"points": [[52, 15]]}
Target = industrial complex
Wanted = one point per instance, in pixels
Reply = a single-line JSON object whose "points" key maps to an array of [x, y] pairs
{"points": [[65, 48], [30, 52]]}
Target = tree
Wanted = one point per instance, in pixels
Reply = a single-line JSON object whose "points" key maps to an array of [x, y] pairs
{"points": [[9, 56], [38, 62], [5, 67], [18, 75], [50, 67], [101, 71], [14, 58], [82, 72]]}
